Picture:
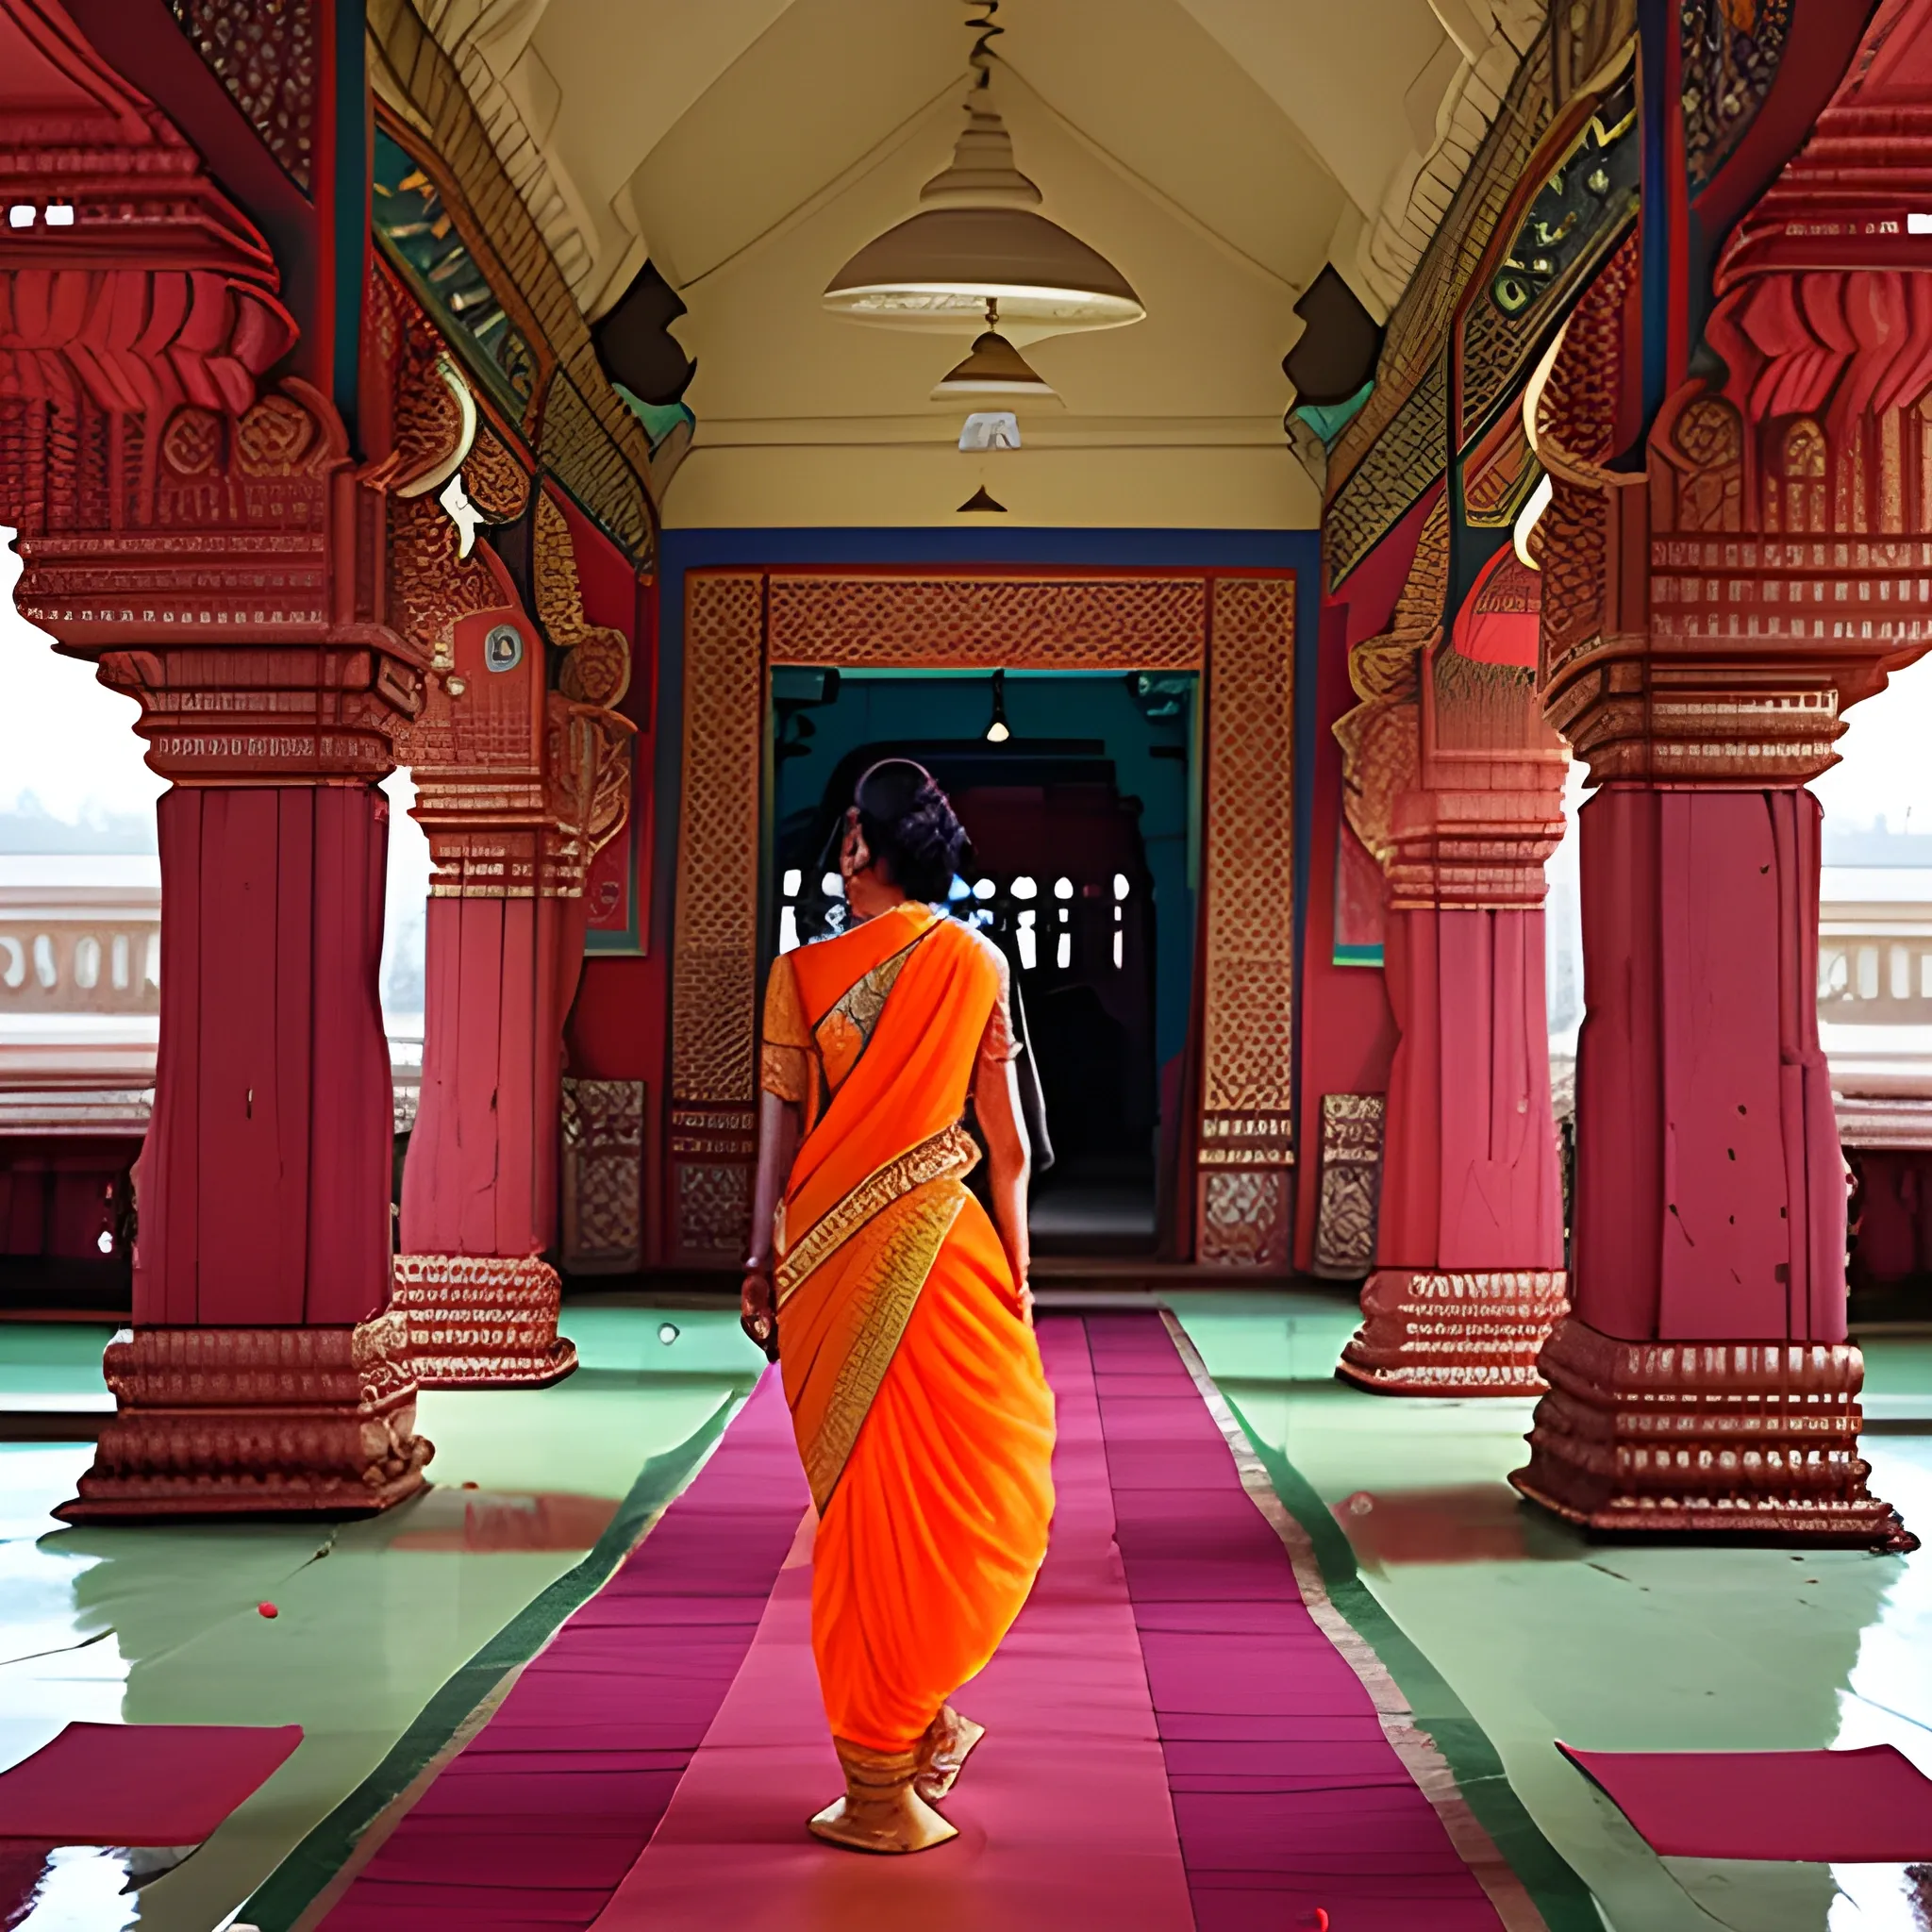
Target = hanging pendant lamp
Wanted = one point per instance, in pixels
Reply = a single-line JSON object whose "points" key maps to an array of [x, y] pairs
{"points": [[994, 368], [978, 240]]}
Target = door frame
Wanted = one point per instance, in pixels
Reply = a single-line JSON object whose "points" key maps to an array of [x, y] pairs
{"points": [[1235, 628]]}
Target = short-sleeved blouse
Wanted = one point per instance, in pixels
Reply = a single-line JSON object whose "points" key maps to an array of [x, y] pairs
{"points": [[790, 1062]]}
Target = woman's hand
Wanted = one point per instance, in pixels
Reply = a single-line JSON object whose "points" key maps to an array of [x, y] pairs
{"points": [[758, 1311], [1027, 1303]]}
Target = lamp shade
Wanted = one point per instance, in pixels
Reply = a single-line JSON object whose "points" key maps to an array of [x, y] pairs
{"points": [[978, 239], [994, 368]]}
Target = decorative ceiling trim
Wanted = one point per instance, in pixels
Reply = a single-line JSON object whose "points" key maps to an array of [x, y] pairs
{"points": [[1392, 247], [463, 31], [414, 76]]}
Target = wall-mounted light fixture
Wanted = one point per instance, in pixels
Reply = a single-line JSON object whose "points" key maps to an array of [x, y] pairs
{"points": [[998, 731]]}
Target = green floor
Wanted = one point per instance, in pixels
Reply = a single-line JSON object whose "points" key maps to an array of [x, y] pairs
{"points": [[1505, 1630], [161, 1625], [1535, 1634]]}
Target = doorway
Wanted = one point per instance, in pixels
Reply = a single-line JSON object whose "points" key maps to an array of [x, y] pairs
{"points": [[1084, 823]]}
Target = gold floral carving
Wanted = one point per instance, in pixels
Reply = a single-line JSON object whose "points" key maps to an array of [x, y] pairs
{"points": [[495, 479], [602, 1175], [597, 670], [1380, 737], [1348, 1211]]}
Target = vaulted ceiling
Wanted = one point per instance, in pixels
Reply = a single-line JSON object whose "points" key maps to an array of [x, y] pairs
{"points": [[1217, 151]]}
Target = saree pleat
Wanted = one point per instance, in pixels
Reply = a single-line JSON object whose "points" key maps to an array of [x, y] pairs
{"points": [[922, 1413], [937, 1527]]}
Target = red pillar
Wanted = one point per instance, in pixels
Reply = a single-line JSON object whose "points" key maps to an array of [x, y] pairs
{"points": [[1469, 1272], [261, 1373], [514, 788], [191, 521], [1706, 622], [1704, 1382]]}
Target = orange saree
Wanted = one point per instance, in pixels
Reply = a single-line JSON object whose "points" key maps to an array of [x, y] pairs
{"points": [[921, 1415]]}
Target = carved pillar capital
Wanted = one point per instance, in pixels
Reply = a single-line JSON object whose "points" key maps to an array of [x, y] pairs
{"points": [[1477, 844], [1709, 619]]}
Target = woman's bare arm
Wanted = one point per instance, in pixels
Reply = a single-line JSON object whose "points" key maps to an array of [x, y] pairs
{"points": [[779, 1122], [1008, 1160]]}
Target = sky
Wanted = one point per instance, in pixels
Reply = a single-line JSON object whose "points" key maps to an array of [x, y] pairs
{"points": [[69, 742]]}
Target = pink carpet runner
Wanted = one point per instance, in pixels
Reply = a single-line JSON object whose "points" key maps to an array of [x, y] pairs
{"points": [[1064, 1814], [545, 1810], [1172, 1741], [1288, 1797]]}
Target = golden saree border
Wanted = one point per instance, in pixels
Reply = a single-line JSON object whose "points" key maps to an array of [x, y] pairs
{"points": [[950, 1154], [916, 1229]]}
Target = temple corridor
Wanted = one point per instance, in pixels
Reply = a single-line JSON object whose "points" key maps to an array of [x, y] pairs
{"points": [[887, 882]]}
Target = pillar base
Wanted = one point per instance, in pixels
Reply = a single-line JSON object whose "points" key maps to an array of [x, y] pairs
{"points": [[1436, 1333], [1702, 1439], [256, 1422], [481, 1321]]}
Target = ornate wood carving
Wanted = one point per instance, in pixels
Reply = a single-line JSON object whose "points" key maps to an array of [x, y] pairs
{"points": [[1395, 447], [1731, 49], [1380, 738], [586, 435], [481, 1321], [206, 541], [1352, 1127], [603, 1176], [1437, 1332], [518, 785], [1246, 1142], [1726, 1439], [1240, 627], [206, 1424], [265, 53], [983, 623], [1771, 567]]}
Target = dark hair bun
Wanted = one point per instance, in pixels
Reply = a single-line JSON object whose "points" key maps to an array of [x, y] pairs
{"points": [[910, 825]]}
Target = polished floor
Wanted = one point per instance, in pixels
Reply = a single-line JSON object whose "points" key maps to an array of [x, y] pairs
{"points": [[1503, 1630]]}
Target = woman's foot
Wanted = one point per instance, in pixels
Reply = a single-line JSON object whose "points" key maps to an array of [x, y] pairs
{"points": [[943, 1753], [881, 1812]]}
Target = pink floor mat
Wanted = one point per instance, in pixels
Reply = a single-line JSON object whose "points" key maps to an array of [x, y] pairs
{"points": [[139, 1783], [1064, 1814], [1872, 1806]]}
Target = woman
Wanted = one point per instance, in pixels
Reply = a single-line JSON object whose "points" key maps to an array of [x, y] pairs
{"points": [[901, 1320]]}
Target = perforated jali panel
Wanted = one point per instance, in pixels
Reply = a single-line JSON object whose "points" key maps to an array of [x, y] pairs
{"points": [[985, 623]]}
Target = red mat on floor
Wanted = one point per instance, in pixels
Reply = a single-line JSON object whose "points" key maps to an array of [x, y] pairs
{"points": [[1828, 1807], [139, 1783], [1063, 1813]]}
